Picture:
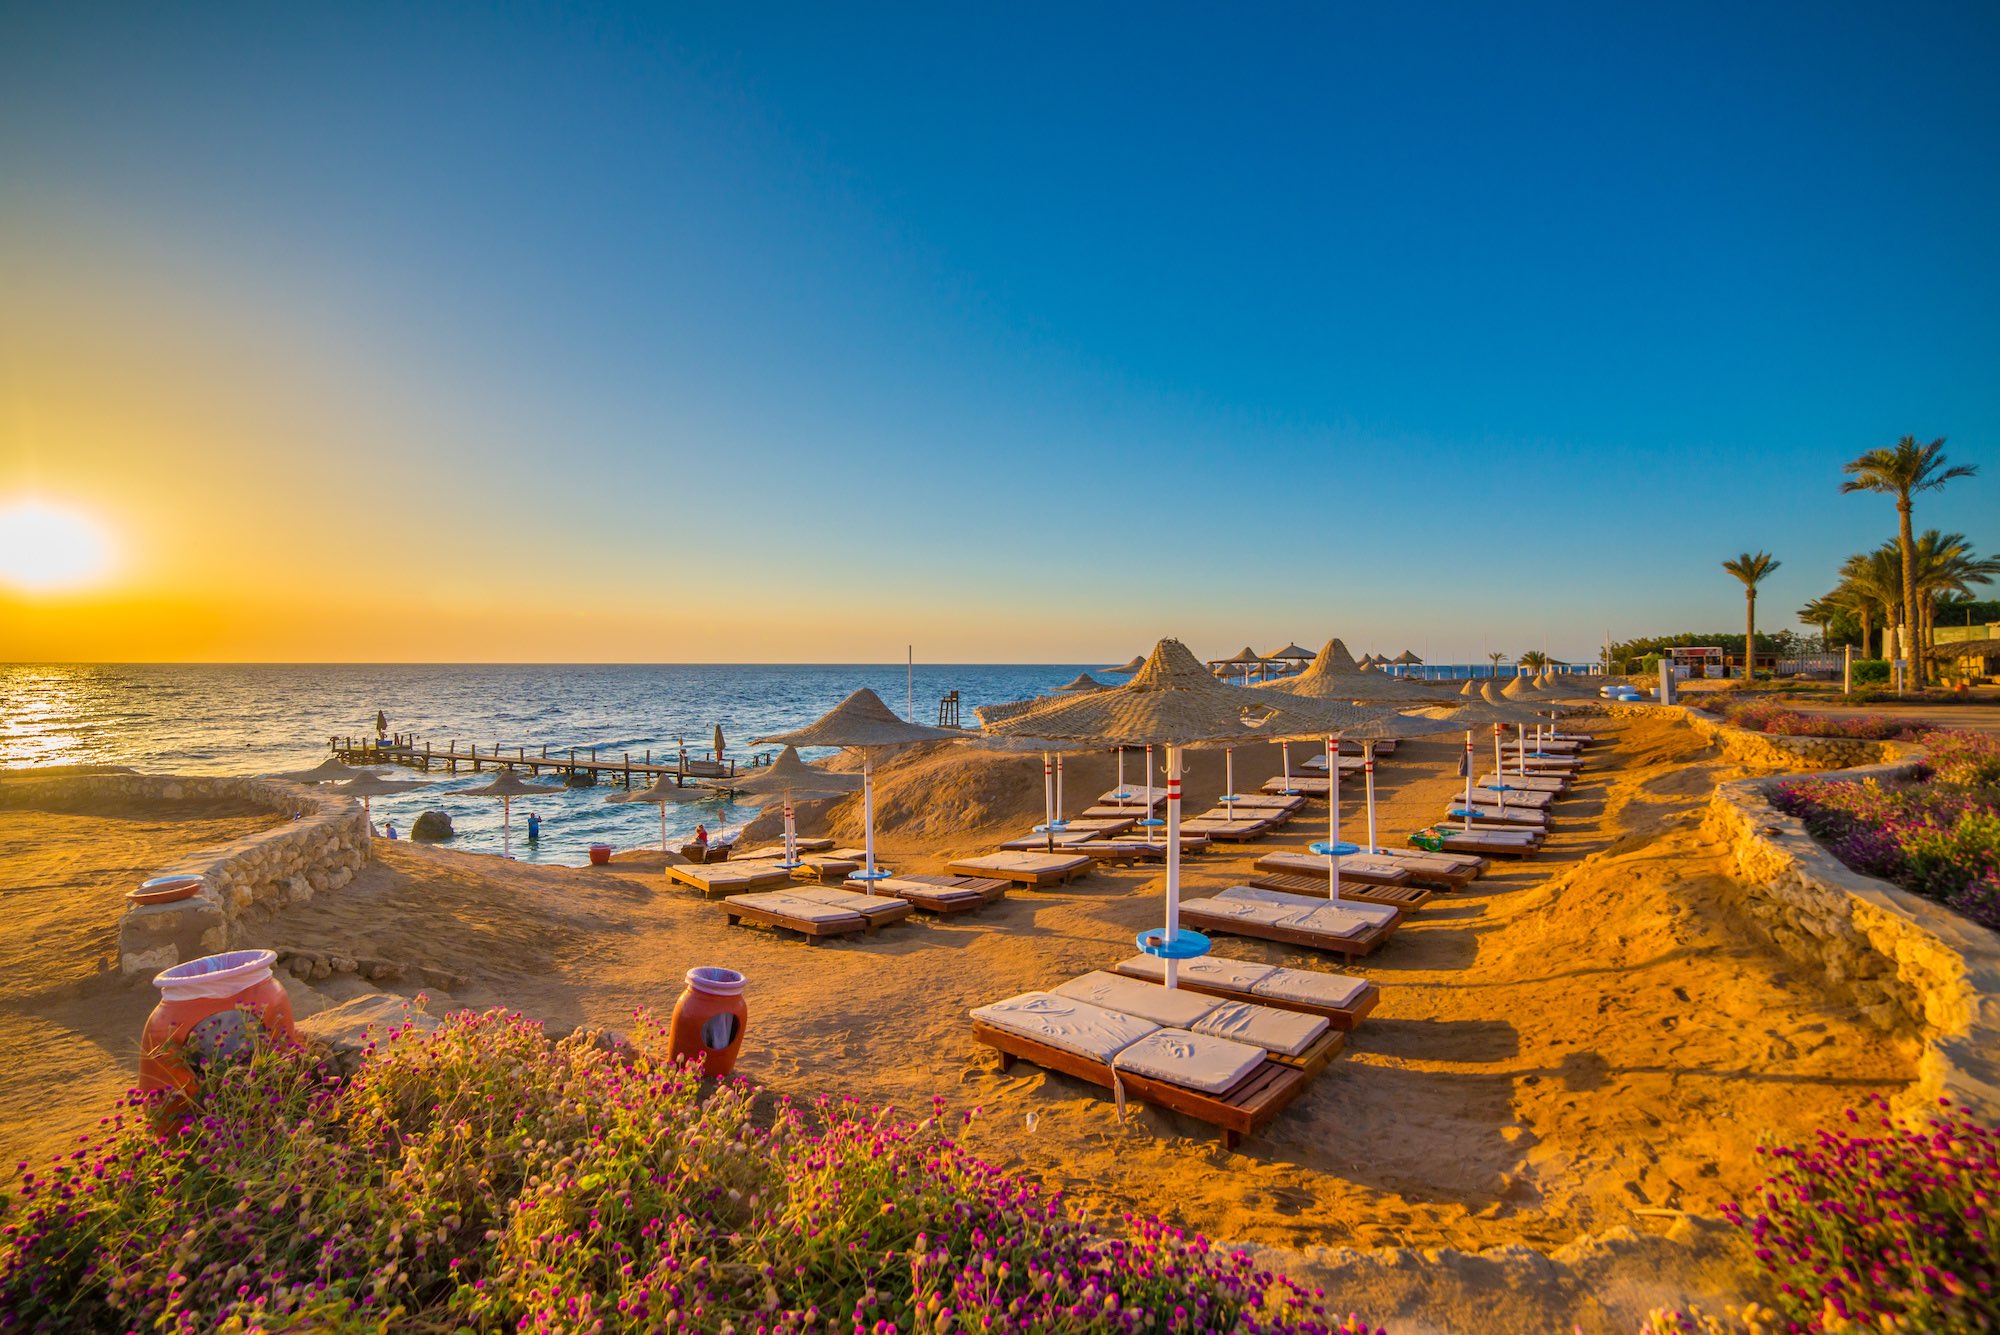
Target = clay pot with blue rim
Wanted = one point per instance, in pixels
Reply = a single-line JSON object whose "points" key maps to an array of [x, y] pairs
{"points": [[709, 1019], [214, 1009]]}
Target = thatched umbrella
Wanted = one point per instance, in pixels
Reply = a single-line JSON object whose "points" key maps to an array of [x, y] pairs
{"points": [[1406, 659], [1331, 719], [1334, 675], [664, 792], [1173, 701], [1082, 681], [863, 721], [793, 780], [1243, 658], [507, 786], [1390, 726], [1127, 669], [1488, 707], [327, 771], [369, 786]]}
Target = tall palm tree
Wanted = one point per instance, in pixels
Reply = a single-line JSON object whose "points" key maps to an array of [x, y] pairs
{"points": [[1496, 659], [1534, 660], [1751, 570], [1902, 471], [1945, 565]]}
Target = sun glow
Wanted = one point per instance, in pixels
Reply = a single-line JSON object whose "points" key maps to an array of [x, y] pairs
{"points": [[44, 547]]}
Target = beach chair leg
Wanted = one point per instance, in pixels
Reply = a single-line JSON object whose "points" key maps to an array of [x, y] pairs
{"points": [[1006, 1062], [735, 921], [1231, 1139]]}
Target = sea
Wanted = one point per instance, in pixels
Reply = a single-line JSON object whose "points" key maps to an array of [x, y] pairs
{"points": [[268, 718]]}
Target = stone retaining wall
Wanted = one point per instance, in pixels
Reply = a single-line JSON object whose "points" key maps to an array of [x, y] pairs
{"points": [[1764, 749], [1914, 967], [320, 849]]}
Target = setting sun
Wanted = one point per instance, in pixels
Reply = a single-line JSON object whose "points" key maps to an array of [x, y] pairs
{"points": [[46, 547]]}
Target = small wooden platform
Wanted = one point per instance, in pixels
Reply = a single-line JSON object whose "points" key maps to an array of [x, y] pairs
{"points": [[1405, 897], [1030, 869], [929, 892], [729, 878], [1359, 946]]}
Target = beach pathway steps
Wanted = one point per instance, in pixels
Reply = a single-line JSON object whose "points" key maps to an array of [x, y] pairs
{"points": [[580, 766]]}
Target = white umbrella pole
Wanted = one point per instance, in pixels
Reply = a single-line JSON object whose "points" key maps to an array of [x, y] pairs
{"points": [[1468, 781], [663, 827], [1059, 802], [506, 827], [791, 831], [1120, 790], [868, 810], [1285, 750], [1499, 750], [1048, 792], [1147, 819], [1368, 771], [1521, 746], [1173, 859], [1229, 779], [1332, 818]]}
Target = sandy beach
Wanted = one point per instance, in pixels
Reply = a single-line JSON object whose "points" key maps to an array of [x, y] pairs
{"points": [[1580, 1043]]}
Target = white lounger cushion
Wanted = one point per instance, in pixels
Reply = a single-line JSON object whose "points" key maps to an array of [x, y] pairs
{"points": [[1285, 1032], [1028, 843], [1372, 913], [1066, 1023], [1333, 926], [1193, 1061], [787, 904], [1168, 1007], [1311, 987], [1209, 971]]}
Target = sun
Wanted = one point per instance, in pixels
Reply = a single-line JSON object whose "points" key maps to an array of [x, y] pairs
{"points": [[44, 547]]}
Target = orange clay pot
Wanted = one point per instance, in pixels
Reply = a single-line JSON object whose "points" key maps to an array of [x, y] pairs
{"points": [[206, 1013], [709, 1019]]}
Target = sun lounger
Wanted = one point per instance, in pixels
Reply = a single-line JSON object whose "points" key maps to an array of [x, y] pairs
{"points": [[1057, 839], [1346, 928], [1404, 896], [1537, 783], [1314, 787], [1527, 800], [1230, 1085], [1348, 765], [1265, 803], [793, 913], [1295, 1038], [1489, 813], [1103, 826], [1135, 798], [1112, 811], [1342, 1001], [938, 894], [1217, 824], [1029, 869], [1489, 842], [816, 845], [1363, 871], [729, 878], [1124, 850], [1191, 842], [1440, 871]]}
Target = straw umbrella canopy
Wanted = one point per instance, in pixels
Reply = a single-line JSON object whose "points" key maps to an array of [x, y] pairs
{"points": [[791, 779], [1083, 681], [1127, 669], [369, 786], [862, 720], [1243, 658], [1385, 728], [718, 743], [1490, 707], [1171, 701], [327, 771], [664, 792], [1407, 659], [1292, 653], [1334, 675], [507, 786]]}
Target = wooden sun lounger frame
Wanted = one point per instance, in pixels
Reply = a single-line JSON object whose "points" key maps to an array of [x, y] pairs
{"points": [[1244, 1109], [1353, 947], [1342, 1018], [764, 880], [989, 890], [1404, 897], [1489, 848], [1034, 880], [868, 925]]}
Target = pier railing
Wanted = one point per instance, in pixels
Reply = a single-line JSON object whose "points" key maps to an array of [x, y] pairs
{"points": [[583, 763]]}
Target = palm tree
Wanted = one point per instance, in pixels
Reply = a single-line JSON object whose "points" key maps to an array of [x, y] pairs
{"points": [[1945, 565], [1752, 571], [1534, 660], [1868, 581], [1822, 612], [1902, 472], [1496, 659]]}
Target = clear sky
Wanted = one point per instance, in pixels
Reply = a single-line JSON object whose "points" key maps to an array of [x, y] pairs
{"points": [[725, 332]]}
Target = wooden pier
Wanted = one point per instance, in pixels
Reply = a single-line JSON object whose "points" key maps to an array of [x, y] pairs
{"points": [[580, 766]]}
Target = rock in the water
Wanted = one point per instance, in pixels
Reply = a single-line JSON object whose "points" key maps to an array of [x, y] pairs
{"points": [[431, 825]]}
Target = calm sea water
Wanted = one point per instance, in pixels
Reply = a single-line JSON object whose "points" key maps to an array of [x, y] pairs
{"points": [[259, 719]]}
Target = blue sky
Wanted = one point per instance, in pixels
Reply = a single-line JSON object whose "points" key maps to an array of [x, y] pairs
{"points": [[1025, 333]]}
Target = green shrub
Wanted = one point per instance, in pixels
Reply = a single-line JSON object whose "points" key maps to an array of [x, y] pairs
{"points": [[1870, 671]]}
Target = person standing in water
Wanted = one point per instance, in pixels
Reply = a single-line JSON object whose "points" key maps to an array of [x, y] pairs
{"points": [[381, 726], [534, 827]]}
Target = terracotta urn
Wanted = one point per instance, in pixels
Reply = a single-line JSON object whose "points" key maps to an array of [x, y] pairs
{"points": [[211, 1010], [709, 1019]]}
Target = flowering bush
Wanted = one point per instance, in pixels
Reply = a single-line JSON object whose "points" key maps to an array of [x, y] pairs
{"points": [[1765, 716], [1939, 837], [1877, 1226], [480, 1178]]}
